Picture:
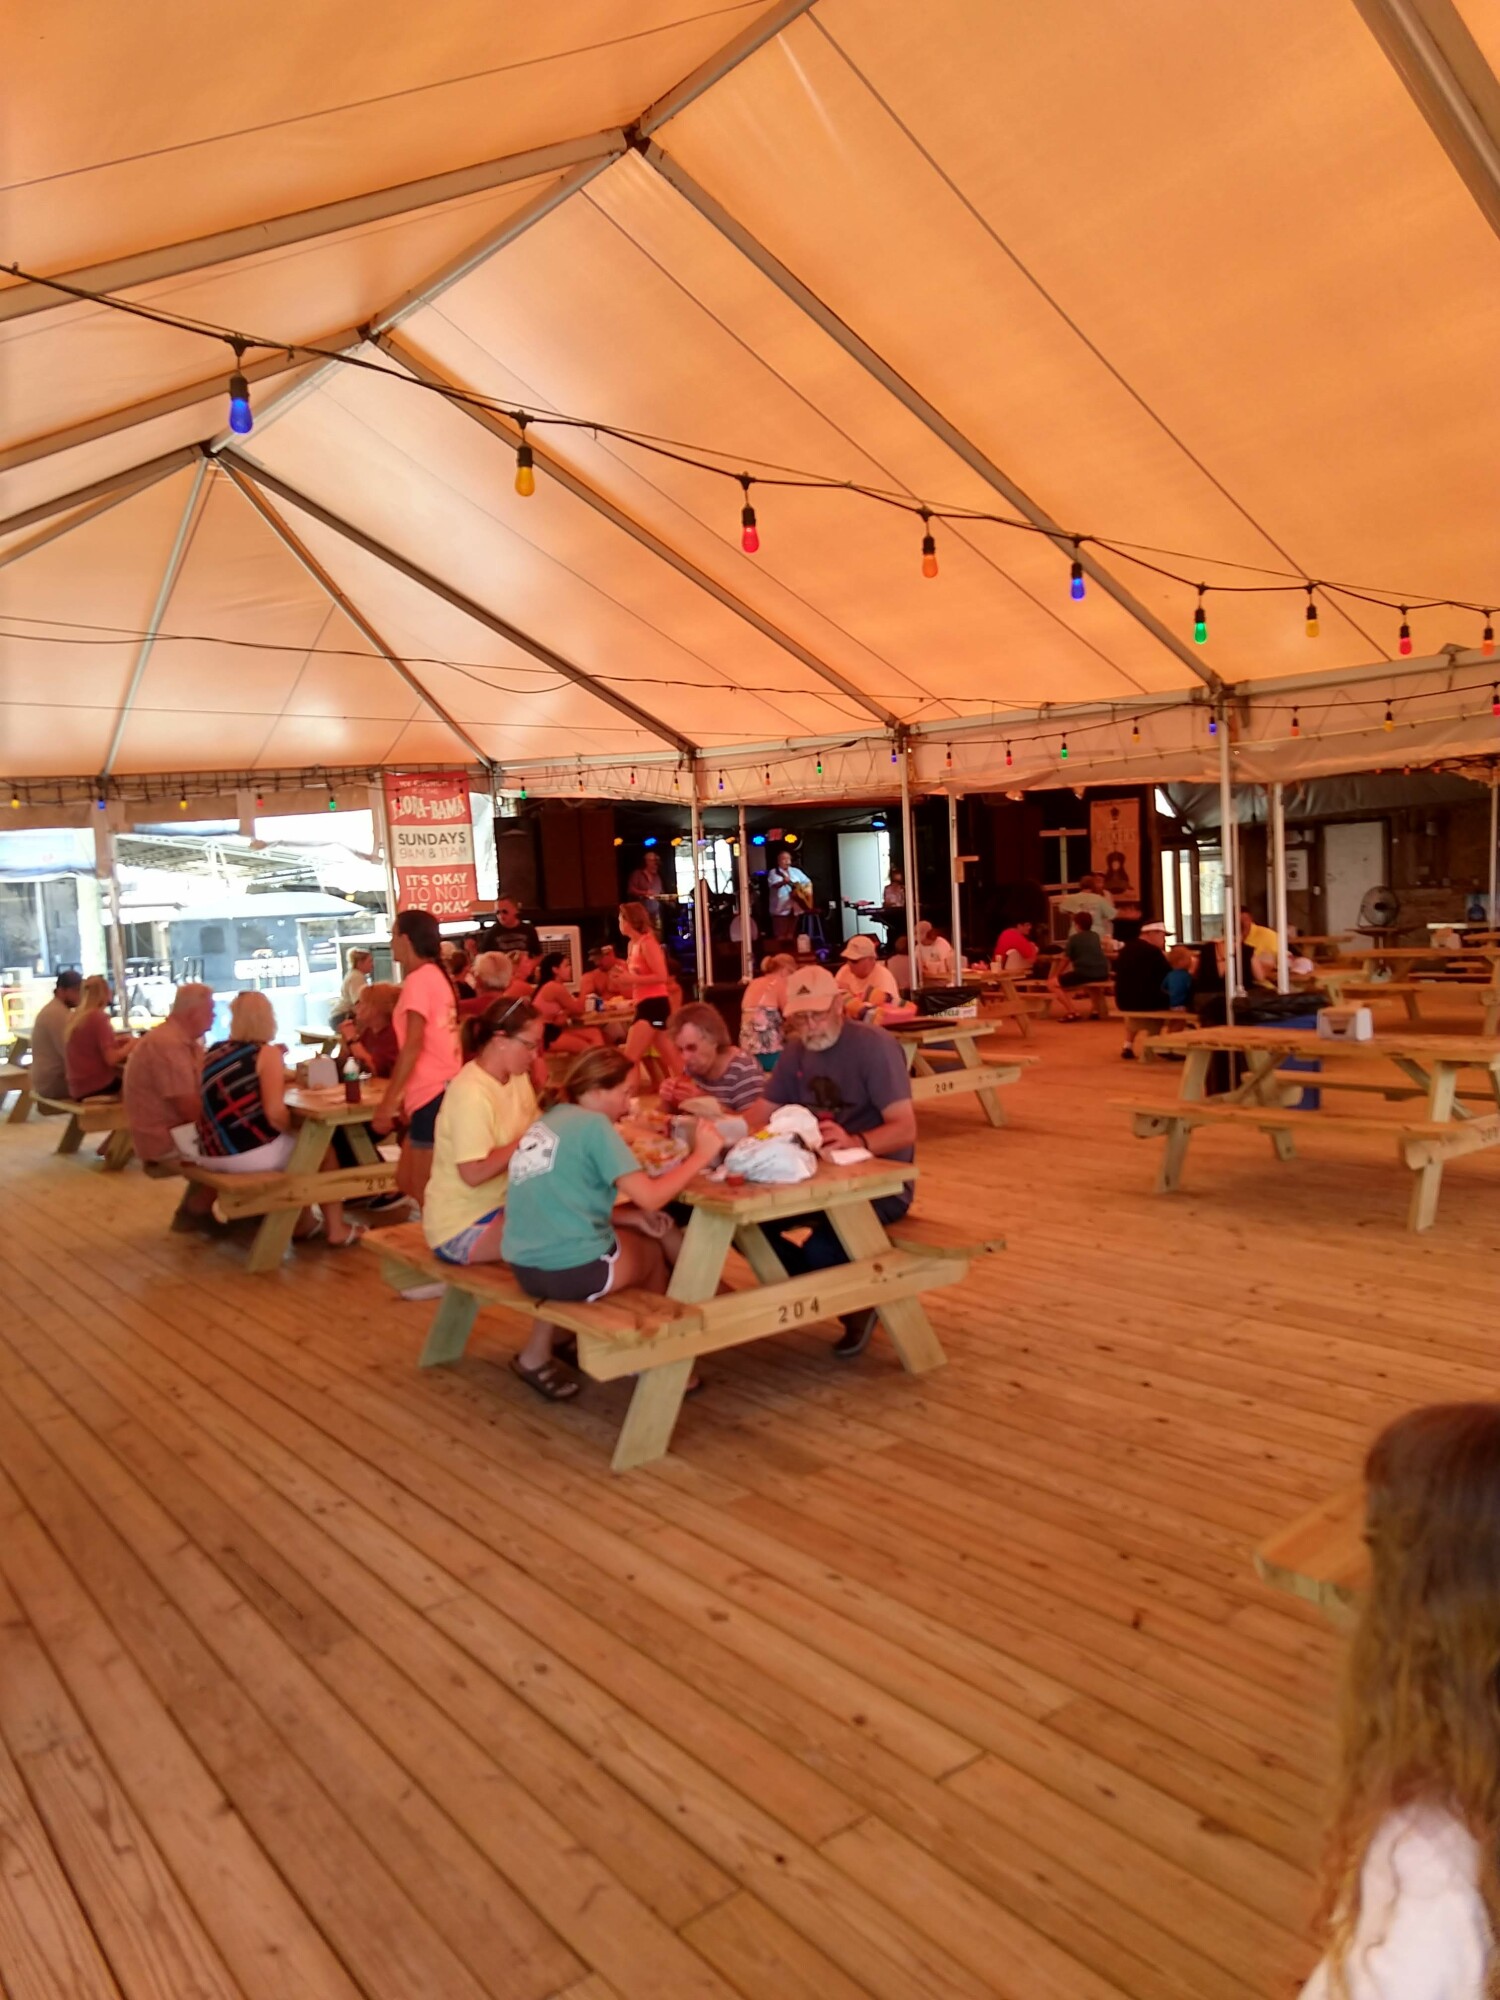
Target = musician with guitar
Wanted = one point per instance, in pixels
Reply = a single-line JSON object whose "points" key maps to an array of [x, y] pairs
{"points": [[791, 894]]}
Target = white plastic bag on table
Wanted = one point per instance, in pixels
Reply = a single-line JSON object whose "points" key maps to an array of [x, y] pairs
{"points": [[794, 1122], [770, 1160]]}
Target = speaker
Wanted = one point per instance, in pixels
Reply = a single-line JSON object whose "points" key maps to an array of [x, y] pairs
{"points": [[516, 858]]}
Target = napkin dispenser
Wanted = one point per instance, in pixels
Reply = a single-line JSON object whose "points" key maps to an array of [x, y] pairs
{"points": [[1346, 1024], [321, 1073]]}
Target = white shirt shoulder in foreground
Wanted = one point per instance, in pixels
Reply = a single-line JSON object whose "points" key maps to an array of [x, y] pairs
{"points": [[1422, 1931]]}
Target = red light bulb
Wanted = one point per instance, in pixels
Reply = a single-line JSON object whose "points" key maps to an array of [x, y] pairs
{"points": [[749, 535], [1403, 642]]}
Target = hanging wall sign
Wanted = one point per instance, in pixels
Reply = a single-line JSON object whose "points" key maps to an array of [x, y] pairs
{"points": [[1115, 848], [432, 844]]}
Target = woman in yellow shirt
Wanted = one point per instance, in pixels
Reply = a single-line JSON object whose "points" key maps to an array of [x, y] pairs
{"points": [[486, 1109]]}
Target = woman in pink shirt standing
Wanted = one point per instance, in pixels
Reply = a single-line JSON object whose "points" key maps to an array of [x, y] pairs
{"points": [[426, 1024]]}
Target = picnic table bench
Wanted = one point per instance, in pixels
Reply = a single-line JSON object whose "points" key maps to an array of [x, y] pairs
{"points": [[1157, 1021], [15, 1075], [657, 1338], [93, 1114], [968, 1071], [1267, 1099], [1100, 992], [1321, 1557], [14, 1078], [278, 1198], [999, 999]]}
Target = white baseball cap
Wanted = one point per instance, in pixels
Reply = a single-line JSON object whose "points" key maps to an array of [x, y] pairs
{"points": [[1153, 927], [812, 989], [861, 945]]}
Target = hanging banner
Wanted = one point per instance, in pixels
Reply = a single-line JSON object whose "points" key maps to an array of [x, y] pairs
{"points": [[1115, 850], [432, 843]]}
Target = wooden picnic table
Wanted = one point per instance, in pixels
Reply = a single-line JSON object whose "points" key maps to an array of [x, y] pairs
{"points": [[656, 1340], [968, 1072], [1482, 958], [278, 1198], [1321, 1557], [13, 1077], [1431, 1065]]}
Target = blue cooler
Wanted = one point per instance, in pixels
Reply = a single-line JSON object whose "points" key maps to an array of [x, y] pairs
{"points": [[1287, 1010]]}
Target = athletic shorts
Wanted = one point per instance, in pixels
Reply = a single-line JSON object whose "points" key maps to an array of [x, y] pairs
{"points": [[460, 1249], [421, 1124], [657, 1012], [580, 1285]]}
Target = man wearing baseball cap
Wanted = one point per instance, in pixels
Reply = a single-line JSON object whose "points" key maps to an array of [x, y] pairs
{"points": [[49, 1037], [1141, 970], [854, 1078], [863, 979]]}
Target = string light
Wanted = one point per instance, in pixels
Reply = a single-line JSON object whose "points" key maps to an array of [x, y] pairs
{"points": [[721, 781], [820, 763], [1135, 730], [1063, 753], [893, 753], [632, 774], [260, 804], [1390, 720], [1311, 627], [525, 465], [1487, 643], [1009, 760], [1075, 576], [768, 774], [333, 804], [929, 546], [523, 795], [1213, 723], [241, 417], [99, 802], [1403, 640], [1200, 621], [950, 757], [749, 533], [181, 803], [1296, 724], [1495, 698], [241, 421], [15, 801]]}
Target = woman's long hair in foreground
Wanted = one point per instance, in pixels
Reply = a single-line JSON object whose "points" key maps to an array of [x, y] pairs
{"points": [[1421, 1706]]}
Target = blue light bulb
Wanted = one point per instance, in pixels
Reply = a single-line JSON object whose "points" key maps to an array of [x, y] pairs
{"points": [[1075, 584], [241, 421]]}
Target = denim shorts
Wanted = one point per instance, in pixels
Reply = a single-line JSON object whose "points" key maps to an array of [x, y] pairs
{"points": [[421, 1124], [460, 1249]]}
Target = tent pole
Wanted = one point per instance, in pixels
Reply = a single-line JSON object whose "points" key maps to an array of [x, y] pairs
{"points": [[1228, 846], [747, 952], [104, 868], [700, 956], [909, 866], [383, 835], [1278, 880], [1494, 844], [955, 875]]}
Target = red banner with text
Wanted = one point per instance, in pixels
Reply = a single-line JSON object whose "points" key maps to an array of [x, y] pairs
{"points": [[432, 844]]}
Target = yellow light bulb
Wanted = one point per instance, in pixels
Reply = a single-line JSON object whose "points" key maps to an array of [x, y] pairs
{"points": [[525, 481]]}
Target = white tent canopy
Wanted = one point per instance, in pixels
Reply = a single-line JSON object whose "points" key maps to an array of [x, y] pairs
{"points": [[1216, 282]]}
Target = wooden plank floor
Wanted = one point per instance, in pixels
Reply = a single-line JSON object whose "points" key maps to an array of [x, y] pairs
{"points": [[320, 1677]]}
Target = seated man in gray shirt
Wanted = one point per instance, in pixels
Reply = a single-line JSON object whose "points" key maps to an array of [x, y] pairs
{"points": [[49, 1037], [854, 1079]]}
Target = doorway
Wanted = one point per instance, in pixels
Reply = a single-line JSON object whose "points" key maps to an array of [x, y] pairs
{"points": [[1353, 864]]}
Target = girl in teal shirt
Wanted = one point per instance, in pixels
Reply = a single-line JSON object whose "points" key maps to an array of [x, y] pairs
{"points": [[567, 1236]]}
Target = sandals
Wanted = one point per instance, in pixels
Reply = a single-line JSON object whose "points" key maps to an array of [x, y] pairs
{"points": [[356, 1230], [551, 1381]]}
